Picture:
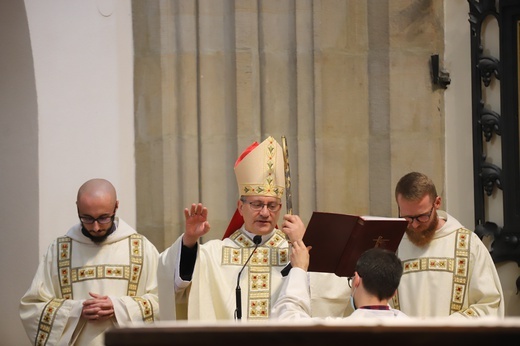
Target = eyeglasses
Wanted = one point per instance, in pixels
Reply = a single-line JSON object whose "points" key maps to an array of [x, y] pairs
{"points": [[420, 218], [103, 220], [257, 205], [351, 278]]}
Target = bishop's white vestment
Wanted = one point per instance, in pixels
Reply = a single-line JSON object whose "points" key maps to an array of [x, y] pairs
{"points": [[210, 295]]}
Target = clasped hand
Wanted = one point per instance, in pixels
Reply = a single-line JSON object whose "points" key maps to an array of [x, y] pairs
{"points": [[99, 308]]}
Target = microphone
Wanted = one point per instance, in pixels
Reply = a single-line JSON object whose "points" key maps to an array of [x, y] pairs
{"points": [[257, 239]]}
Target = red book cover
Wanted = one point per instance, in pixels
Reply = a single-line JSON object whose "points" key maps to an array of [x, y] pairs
{"points": [[338, 240]]}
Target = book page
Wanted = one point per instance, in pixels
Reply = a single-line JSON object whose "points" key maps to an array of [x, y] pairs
{"points": [[372, 217]]}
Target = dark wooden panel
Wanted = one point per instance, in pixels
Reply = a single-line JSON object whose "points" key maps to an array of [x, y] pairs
{"points": [[271, 335]]}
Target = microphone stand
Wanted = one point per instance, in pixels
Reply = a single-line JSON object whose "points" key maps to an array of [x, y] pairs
{"points": [[238, 292]]}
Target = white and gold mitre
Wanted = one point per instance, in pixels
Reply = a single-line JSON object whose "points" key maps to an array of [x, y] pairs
{"points": [[260, 170]]}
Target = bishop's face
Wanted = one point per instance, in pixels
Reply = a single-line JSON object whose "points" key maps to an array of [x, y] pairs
{"points": [[260, 213]]}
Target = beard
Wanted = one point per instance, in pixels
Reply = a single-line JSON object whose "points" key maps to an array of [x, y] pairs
{"points": [[424, 237], [97, 239]]}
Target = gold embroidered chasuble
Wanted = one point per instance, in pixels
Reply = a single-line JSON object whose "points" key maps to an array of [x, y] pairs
{"points": [[259, 269], [457, 266], [445, 278], [123, 268], [210, 295]]}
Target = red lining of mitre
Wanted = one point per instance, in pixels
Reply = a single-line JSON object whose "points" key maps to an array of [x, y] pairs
{"points": [[237, 220]]}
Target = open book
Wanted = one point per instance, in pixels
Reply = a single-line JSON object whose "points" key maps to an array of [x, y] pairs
{"points": [[338, 240]]}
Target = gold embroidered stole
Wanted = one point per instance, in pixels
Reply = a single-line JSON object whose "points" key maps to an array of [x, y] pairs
{"points": [[458, 266], [131, 273], [269, 255]]}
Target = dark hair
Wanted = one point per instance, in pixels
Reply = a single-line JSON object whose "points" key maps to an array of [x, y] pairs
{"points": [[414, 186], [381, 271]]}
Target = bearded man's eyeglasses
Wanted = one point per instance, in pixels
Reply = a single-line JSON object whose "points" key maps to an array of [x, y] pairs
{"points": [[422, 218]]}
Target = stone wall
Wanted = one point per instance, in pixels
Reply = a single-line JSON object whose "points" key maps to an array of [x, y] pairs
{"points": [[347, 82]]}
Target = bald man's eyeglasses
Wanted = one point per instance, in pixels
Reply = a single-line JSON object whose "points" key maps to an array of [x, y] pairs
{"points": [[102, 220]]}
